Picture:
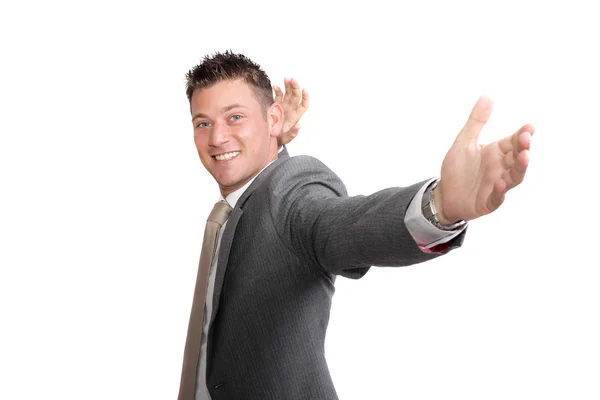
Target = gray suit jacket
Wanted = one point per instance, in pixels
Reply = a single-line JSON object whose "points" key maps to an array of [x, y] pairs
{"points": [[290, 234]]}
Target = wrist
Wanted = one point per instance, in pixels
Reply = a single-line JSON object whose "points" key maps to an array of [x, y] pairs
{"points": [[432, 209]]}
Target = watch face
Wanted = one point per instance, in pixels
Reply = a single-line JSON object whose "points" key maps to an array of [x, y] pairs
{"points": [[428, 212]]}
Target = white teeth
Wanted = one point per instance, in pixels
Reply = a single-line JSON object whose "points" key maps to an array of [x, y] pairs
{"points": [[227, 156]]}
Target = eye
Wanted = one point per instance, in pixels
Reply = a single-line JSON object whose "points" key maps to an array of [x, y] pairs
{"points": [[203, 124], [235, 117]]}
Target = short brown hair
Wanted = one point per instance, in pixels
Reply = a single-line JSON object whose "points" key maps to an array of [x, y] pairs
{"points": [[227, 66]]}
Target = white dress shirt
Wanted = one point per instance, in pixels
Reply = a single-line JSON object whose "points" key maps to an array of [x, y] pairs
{"points": [[423, 232]]}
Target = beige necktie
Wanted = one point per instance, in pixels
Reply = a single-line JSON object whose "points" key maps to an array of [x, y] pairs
{"points": [[215, 221]]}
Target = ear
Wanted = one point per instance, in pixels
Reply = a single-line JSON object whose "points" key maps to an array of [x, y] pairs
{"points": [[275, 119]]}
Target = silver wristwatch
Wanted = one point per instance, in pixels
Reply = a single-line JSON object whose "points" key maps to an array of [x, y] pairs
{"points": [[430, 213]]}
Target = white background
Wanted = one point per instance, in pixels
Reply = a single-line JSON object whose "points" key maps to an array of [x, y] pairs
{"points": [[103, 198]]}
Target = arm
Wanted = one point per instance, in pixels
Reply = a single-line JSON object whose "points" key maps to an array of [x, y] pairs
{"points": [[341, 234], [294, 103]]}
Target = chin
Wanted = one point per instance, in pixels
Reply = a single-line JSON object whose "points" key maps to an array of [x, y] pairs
{"points": [[230, 184]]}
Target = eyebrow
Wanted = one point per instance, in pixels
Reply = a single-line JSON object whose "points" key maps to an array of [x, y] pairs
{"points": [[222, 110]]}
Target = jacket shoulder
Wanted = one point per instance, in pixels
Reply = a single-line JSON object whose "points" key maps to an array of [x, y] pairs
{"points": [[304, 172]]}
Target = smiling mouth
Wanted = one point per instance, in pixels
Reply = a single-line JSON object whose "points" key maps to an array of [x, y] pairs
{"points": [[226, 156]]}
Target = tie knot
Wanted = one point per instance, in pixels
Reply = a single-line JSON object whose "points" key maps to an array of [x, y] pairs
{"points": [[220, 212]]}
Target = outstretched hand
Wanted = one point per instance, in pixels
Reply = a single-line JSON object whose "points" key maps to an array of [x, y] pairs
{"points": [[475, 178], [294, 103]]}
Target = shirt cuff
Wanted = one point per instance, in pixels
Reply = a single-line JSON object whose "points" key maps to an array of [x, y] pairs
{"points": [[424, 232]]}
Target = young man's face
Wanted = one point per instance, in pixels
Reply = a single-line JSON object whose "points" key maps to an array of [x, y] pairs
{"points": [[234, 136]]}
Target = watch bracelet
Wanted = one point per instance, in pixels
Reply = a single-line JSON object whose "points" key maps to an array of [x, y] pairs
{"points": [[434, 220]]}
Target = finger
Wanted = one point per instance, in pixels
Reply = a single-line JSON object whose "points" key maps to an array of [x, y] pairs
{"points": [[289, 135], [517, 173], [296, 93], [294, 131], [288, 88], [523, 141], [497, 196], [479, 117], [515, 167], [292, 94], [278, 94], [305, 101], [511, 143]]}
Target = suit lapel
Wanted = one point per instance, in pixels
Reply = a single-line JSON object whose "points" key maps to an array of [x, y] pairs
{"points": [[229, 233]]}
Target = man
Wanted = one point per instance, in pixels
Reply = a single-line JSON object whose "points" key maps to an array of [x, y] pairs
{"points": [[261, 308]]}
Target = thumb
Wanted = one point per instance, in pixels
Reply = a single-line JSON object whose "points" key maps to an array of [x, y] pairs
{"points": [[294, 131], [479, 116]]}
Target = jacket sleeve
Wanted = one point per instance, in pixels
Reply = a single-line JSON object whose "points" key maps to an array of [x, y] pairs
{"points": [[340, 234]]}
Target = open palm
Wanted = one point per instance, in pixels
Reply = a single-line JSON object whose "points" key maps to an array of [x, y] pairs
{"points": [[295, 102], [474, 177]]}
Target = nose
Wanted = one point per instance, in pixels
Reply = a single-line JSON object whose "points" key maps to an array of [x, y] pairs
{"points": [[218, 135]]}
